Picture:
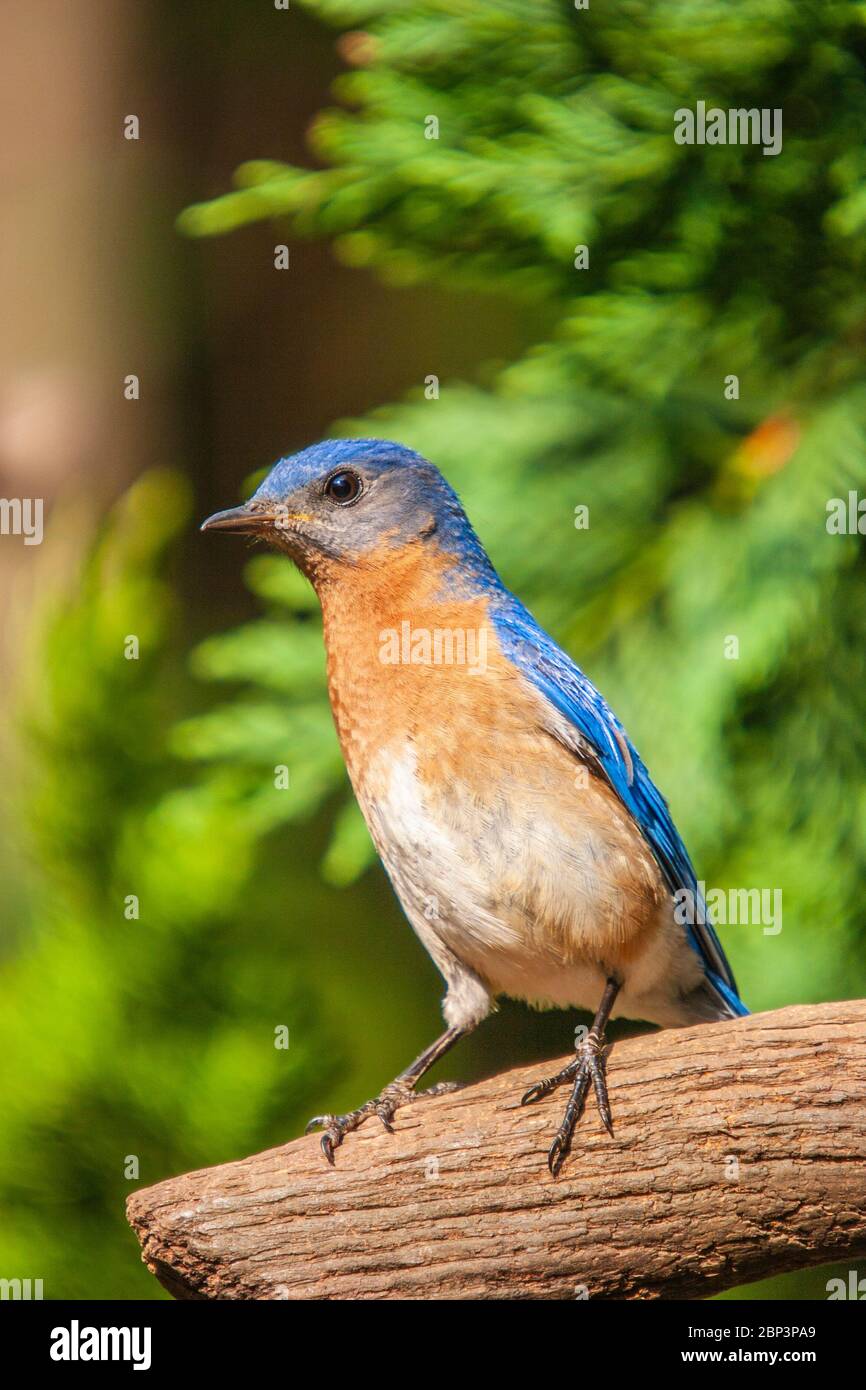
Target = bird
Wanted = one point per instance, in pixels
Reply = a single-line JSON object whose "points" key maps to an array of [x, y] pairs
{"points": [[523, 835]]}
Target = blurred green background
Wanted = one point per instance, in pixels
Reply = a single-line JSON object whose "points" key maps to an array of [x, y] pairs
{"points": [[135, 1047]]}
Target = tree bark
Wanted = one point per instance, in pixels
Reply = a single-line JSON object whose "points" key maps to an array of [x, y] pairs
{"points": [[738, 1152]]}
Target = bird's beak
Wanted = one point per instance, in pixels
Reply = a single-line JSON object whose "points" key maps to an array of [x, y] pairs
{"points": [[245, 520]]}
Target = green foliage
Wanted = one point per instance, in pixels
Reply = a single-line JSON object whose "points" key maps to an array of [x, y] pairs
{"points": [[707, 515], [149, 1036], [706, 521]]}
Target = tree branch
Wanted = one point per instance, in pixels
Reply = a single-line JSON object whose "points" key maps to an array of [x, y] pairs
{"points": [[739, 1152]]}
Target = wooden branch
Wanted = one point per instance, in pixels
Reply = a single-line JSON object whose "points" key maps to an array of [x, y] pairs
{"points": [[739, 1152]]}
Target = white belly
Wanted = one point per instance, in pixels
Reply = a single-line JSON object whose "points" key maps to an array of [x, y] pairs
{"points": [[509, 900]]}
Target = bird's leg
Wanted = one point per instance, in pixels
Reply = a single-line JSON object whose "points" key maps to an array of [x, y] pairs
{"points": [[588, 1068], [400, 1092]]}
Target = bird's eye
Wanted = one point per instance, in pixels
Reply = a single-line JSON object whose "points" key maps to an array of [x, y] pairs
{"points": [[343, 487]]}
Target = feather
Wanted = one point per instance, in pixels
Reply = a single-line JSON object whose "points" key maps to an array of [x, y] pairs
{"points": [[590, 729]]}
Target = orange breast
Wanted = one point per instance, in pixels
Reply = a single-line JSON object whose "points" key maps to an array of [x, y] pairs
{"points": [[557, 862], [407, 662]]}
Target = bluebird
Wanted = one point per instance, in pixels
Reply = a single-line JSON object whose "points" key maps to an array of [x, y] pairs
{"points": [[523, 835]]}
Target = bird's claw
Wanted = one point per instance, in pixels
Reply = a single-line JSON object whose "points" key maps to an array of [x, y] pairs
{"points": [[384, 1107], [587, 1069], [336, 1127], [556, 1155], [550, 1083]]}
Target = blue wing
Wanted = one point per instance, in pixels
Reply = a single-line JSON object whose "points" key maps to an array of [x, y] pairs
{"points": [[603, 740]]}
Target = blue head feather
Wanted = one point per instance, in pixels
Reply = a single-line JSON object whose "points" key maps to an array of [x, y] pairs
{"points": [[406, 498]]}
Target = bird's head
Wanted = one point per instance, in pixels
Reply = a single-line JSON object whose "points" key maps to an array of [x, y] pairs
{"points": [[345, 500]]}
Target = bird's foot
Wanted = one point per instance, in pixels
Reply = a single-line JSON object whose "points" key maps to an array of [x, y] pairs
{"points": [[587, 1069], [384, 1106]]}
